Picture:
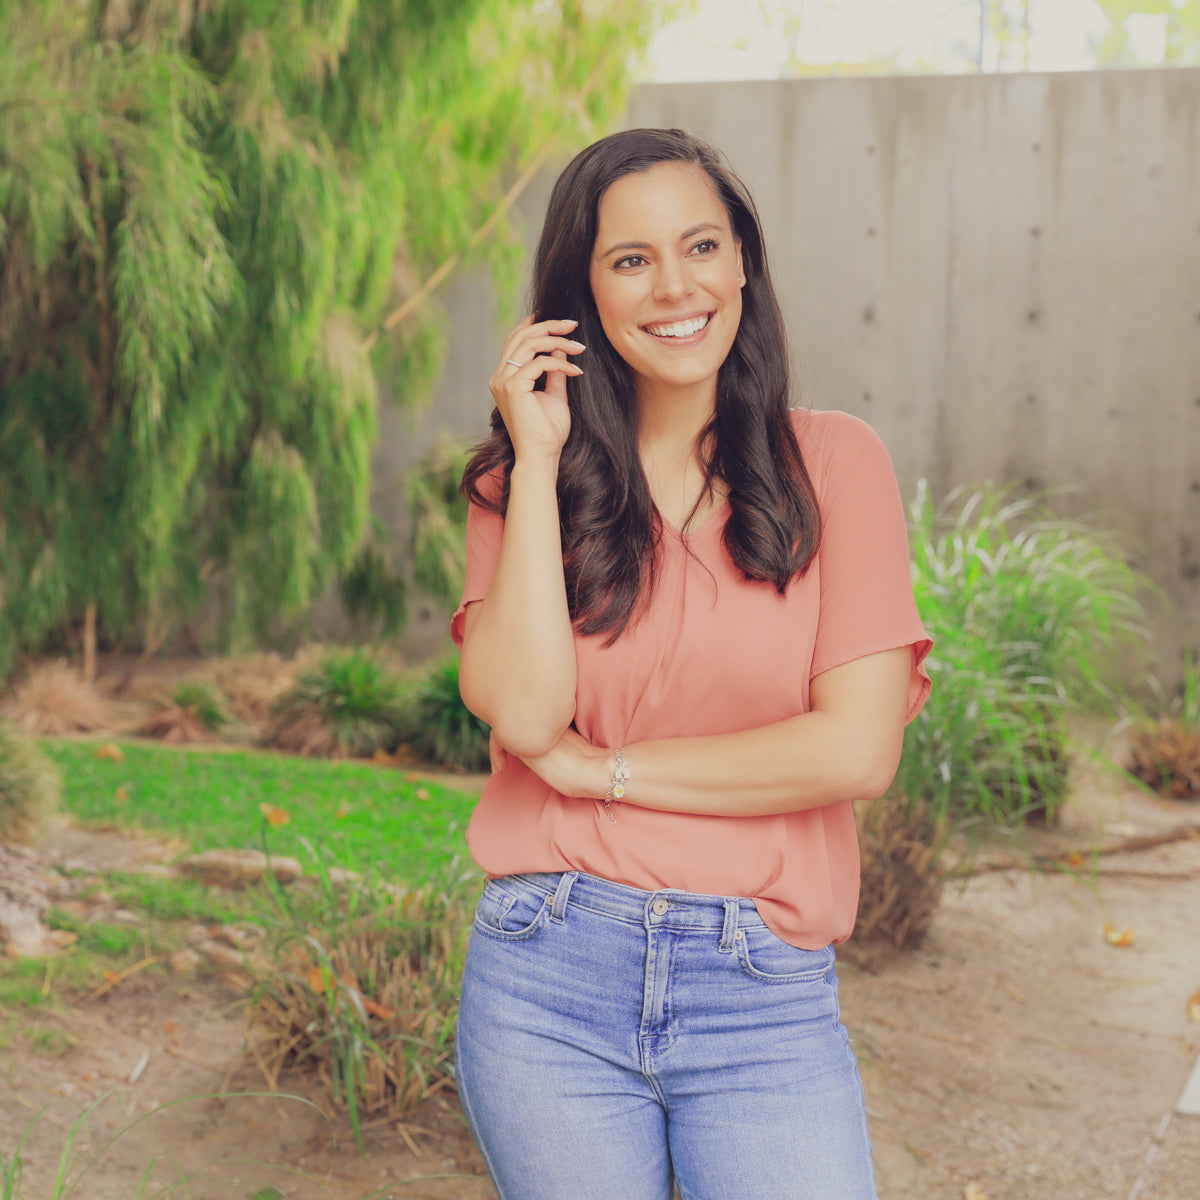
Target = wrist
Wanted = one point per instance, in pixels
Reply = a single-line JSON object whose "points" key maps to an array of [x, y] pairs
{"points": [[534, 468], [619, 776]]}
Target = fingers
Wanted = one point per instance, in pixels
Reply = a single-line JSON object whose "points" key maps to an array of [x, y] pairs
{"points": [[529, 340]]}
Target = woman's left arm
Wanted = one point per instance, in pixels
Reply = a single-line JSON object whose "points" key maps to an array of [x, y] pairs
{"points": [[846, 748]]}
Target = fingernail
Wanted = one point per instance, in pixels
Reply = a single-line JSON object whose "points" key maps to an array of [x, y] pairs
{"points": [[569, 321], [579, 345]]}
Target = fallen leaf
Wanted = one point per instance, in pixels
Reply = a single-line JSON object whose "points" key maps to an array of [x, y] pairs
{"points": [[1193, 1008], [974, 1192], [110, 751], [1117, 937], [169, 1026], [275, 816], [1075, 860], [343, 811], [375, 1009], [63, 938], [315, 978], [422, 793], [122, 795]]}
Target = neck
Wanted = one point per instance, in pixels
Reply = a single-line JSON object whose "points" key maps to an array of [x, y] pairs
{"points": [[673, 416]]}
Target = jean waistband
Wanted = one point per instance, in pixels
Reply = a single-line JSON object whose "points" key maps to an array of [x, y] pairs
{"points": [[671, 907]]}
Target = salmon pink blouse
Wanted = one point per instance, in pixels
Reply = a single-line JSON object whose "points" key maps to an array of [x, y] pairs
{"points": [[714, 653]]}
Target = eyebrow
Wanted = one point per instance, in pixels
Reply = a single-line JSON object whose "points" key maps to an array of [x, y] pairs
{"points": [[683, 237]]}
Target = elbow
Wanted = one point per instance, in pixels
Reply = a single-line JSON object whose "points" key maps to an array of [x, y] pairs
{"points": [[526, 740], [521, 726], [872, 773]]}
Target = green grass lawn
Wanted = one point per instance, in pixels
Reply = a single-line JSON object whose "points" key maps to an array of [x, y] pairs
{"points": [[358, 816]]}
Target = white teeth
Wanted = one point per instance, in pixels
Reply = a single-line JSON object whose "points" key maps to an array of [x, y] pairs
{"points": [[680, 330]]}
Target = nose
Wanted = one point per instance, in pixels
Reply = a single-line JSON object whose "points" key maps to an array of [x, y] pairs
{"points": [[673, 280]]}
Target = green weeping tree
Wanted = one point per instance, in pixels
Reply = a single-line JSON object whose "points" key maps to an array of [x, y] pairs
{"points": [[208, 210]]}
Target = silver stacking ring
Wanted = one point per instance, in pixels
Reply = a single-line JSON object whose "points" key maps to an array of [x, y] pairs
{"points": [[513, 362]]}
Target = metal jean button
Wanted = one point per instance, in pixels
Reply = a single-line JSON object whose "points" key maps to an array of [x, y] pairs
{"points": [[659, 907]]}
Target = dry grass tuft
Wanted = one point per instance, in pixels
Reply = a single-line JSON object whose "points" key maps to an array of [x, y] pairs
{"points": [[1166, 757], [372, 1012], [253, 685], [175, 723], [52, 699], [901, 875]]}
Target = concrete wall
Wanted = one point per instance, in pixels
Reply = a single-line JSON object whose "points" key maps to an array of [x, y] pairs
{"points": [[1001, 273]]}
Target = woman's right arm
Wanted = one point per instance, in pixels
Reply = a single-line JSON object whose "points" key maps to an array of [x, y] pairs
{"points": [[517, 670]]}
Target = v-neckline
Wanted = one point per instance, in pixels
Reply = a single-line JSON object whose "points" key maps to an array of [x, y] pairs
{"points": [[715, 512]]}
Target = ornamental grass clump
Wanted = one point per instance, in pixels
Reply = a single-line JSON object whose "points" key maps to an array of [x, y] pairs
{"points": [[361, 988], [1032, 616], [194, 712], [29, 784], [51, 699], [439, 728], [346, 705]]}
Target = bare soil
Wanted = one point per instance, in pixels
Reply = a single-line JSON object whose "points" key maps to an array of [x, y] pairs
{"points": [[1018, 1050]]}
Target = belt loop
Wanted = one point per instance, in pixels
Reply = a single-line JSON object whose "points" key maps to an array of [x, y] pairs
{"points": [[729, 929], [558, 907]]}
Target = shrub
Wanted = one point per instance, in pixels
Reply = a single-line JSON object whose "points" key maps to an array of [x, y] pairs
{"points": [[193, 714], [52, 699], [364, 992], [345, 705], [439, 727], [1031, 614], [28, 784]]}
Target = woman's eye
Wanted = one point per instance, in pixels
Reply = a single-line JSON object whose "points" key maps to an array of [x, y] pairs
{"points": [[630, 260], [705, 247]]}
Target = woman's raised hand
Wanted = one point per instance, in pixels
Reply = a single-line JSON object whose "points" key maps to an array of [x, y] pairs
{"points": [[537, 420]]}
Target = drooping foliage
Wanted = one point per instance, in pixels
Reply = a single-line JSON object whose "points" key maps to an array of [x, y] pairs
{"points": [[206, 211]]}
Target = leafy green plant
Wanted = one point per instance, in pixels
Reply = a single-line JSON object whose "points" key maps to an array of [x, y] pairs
{"points": [[29, 783], [1031, 614], [440, 728], [346, 705]]}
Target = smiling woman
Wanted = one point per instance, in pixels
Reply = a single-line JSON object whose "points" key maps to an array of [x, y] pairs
{"points": [[689, 622]]}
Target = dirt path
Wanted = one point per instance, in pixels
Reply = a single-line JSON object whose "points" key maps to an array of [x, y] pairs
{"points": [[1018, 1051]]}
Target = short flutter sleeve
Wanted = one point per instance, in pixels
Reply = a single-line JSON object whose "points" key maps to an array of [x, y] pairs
{"points": [[485, 531], [867, 601]]}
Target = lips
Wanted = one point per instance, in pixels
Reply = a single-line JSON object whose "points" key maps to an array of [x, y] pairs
{"points": [[685, 328]]}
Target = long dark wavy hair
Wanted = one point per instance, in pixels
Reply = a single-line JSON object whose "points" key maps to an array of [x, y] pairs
{"points": [[611, 529]]}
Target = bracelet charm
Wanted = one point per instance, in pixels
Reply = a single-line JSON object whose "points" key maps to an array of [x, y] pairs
{"points": [[616, 785]]}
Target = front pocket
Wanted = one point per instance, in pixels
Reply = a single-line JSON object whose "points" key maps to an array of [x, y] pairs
{"points": [[766, 956], [510, 910]]}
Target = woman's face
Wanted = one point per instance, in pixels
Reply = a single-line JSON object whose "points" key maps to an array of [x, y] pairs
{"points": [[666, 275]]}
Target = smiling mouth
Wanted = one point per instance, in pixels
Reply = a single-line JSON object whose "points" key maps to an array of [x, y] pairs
{"points": [[679, 329]]}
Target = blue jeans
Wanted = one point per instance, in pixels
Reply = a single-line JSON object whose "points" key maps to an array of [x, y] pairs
{"points": [[613, 1042]]}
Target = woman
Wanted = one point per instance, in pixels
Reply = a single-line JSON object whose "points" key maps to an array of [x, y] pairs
{"points": [[689, 623]]}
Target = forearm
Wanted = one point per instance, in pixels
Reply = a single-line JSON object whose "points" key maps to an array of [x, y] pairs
{"points": [[802, 762], [846, 748], [518, 659]]}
